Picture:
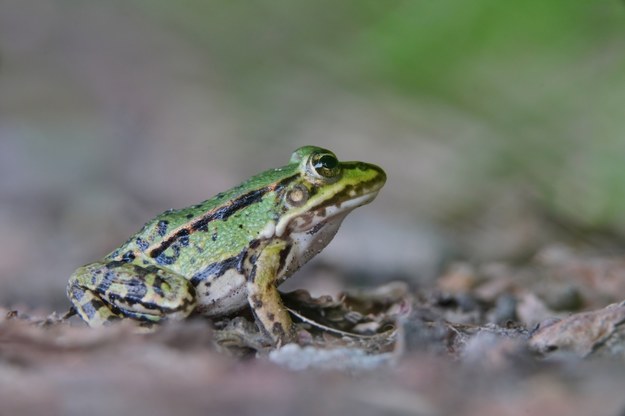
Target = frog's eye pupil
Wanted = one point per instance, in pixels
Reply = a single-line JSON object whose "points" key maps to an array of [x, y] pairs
{"points": [[326, 162], [326, 165]]}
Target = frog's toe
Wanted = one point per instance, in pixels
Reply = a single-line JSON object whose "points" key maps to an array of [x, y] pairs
{"points": [[90, 307]]}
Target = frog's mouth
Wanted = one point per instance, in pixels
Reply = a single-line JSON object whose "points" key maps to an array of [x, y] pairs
{"points": [[329, 212]]}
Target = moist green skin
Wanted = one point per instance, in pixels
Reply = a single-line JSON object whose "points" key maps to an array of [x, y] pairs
{"points": [[230, 251]]}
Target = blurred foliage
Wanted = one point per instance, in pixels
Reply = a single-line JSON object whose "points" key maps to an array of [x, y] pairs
{"points": [[543, 81]]}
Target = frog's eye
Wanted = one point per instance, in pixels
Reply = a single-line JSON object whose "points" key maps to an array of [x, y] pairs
{"points": [[297, 196], [325, 165]]}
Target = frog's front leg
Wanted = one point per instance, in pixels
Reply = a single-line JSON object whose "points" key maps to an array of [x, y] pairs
{"points": [[105, 291], [263, 295]]}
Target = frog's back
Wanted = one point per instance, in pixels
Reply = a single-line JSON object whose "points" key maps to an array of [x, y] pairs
{"points": [[190, 239]]}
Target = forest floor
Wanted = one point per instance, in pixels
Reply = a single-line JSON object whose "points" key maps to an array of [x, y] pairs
{"points": [[547, 338]]}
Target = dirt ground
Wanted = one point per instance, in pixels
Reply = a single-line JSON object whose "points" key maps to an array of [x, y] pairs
{"points": [[546, 338]]}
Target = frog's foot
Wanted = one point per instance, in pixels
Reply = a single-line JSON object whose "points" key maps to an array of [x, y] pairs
{"points": [[103, 292]]}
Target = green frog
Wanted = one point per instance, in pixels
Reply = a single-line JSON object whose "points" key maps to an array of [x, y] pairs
{"points": [[232, 250]]}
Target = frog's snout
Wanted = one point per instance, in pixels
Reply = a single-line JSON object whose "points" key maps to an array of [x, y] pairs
{"points": [[379, 176]]}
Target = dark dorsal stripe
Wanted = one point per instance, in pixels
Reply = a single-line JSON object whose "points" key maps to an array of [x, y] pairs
{"points": [[225, 212], [221, 213]]}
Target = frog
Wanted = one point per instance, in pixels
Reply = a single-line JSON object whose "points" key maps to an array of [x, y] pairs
{"points": [[229, 252]]}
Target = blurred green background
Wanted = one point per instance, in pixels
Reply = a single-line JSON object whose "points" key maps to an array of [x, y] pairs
{"points": [[500, 124]]}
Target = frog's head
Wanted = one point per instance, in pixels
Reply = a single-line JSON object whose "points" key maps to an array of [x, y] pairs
{"points": [[323, 192]]}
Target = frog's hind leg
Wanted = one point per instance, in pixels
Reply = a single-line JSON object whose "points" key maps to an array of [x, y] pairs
{"points": [[104, 292]]}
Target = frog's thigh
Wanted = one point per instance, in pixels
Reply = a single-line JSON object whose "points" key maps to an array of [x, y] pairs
{"points": [[263, 294], [101, 292]]}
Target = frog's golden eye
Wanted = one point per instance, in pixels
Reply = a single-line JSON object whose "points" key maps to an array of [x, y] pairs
{"points": [[297, 196], [325, 165]]}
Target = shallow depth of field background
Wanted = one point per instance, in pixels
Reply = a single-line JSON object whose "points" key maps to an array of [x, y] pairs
{"points": [[500, 124]]}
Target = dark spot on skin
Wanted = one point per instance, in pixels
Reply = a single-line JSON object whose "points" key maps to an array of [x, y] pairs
{"points": [[90, 309], [281, 187], [271, 316], [166, 260], [77, 292], [146, 262], [142, 244], [254, 244], [136, 291], [241, 226], [114, 264], [113, 308], [277, 329], [161, 227], [105, 284], [156, 253], [140, 271], [128, 257], [182, 241], [316, 228], [252, 276], [358, 165], [158, 286], [256, 302], [214, 237], [312, 191], [284, 254]]}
